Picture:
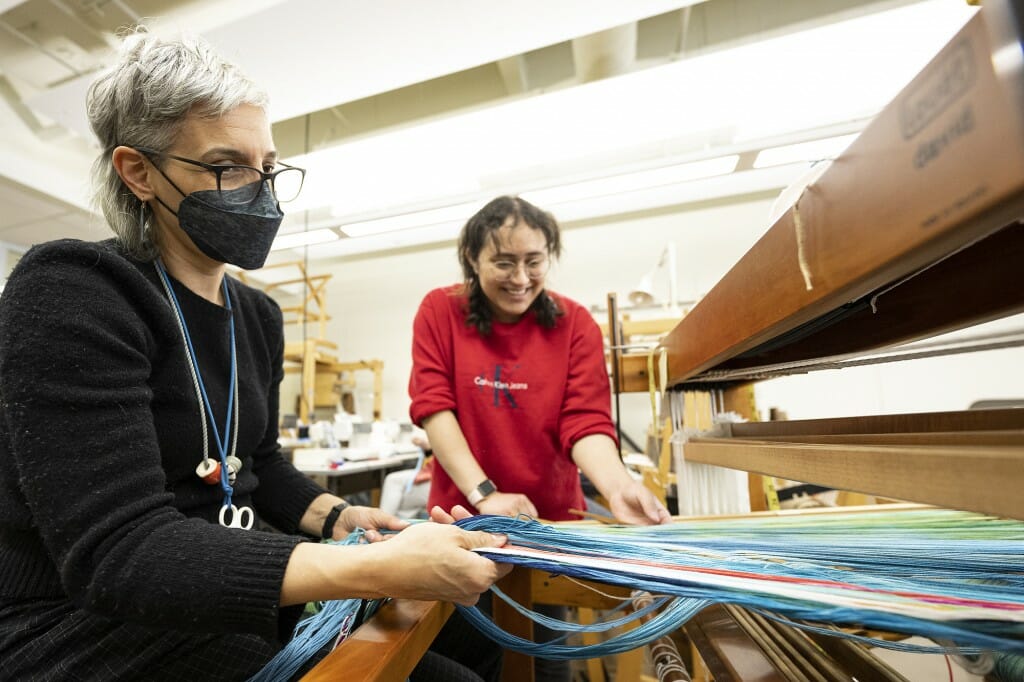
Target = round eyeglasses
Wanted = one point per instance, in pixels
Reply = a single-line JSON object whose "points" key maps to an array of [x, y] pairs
{"points": [[535, 268], [239, 184]]}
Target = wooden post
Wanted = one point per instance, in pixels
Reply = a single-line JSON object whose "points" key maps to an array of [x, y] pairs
{"points": [[306, 400], [517, 585]]}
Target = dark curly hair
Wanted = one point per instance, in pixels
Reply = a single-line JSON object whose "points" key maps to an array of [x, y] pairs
{"points": [[484, 225]]}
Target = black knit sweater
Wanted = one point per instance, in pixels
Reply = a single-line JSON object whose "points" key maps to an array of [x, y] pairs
{"points": [[100, 436]]}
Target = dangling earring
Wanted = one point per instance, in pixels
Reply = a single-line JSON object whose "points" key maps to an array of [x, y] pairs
{"points": [[143, 225]]}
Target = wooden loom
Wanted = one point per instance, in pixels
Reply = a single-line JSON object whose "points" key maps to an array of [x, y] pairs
{"points": [[313, 357], [914, 231]]}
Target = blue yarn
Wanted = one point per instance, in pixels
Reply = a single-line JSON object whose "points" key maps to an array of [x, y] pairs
{"points": [[985, 568], [558, 624], [678, 611], [315, 632]]}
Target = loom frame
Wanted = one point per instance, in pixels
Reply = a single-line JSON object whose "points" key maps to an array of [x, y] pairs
{"points": [[875, 254]]}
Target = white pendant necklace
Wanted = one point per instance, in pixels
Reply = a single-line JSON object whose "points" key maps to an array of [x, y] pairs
{"points": [[209, 469]]}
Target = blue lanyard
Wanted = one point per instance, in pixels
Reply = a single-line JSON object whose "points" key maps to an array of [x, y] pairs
{"points": [[222, 443]]}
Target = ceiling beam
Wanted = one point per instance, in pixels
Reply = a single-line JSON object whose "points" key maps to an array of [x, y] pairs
{"points": [[605, 53], [513, 74]]}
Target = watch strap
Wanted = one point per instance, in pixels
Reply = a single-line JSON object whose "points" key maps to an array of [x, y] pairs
{"points": [[332, 517]]}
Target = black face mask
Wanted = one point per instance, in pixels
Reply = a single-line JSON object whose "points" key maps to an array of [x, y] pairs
{"points": [[240, 234]]}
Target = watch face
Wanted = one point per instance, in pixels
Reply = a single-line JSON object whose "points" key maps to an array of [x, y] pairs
{"points": [[486, 488]]}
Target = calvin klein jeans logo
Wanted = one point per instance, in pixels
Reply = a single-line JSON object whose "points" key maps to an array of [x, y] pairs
{"points": [[501, 388]]}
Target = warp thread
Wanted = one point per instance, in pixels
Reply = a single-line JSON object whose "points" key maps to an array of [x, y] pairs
{"points": [[833, 569]]}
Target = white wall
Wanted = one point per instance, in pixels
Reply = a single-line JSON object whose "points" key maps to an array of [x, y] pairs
{"points": [[9, 256], [372, 301]]}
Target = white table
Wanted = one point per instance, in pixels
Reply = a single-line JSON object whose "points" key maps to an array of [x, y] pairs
{"points": [[353, 476]]}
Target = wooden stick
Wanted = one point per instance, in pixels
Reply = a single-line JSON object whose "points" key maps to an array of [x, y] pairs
{"points": [[591, 515]]}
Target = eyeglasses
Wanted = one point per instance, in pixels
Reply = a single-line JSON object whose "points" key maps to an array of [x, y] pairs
{"points": [[535, 268], [242, 184]]}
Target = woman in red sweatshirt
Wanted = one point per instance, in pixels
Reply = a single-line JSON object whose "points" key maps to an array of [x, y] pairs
{"points": [[510, 383]]}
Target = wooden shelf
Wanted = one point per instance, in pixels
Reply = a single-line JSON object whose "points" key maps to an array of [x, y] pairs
{"points": [[321, 372]]}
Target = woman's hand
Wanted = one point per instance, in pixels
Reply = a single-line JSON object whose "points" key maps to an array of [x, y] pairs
{"points": [[370, 519], [438, 515], [634, 504], [629, 500], [423, 561], [507, 504], [433, 561]]}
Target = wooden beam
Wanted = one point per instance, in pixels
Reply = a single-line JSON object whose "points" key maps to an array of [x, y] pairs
{"points": [[965, 420], [976, 284], [980, 479], [894, 203], [516, 667], [983, 438], [387, 646]]}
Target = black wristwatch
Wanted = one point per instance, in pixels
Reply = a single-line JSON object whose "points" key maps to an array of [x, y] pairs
{"points": [[477, 494], [332, 517]]}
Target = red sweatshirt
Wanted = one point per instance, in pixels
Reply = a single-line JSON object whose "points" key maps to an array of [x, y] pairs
{"points": [[522, 395]]}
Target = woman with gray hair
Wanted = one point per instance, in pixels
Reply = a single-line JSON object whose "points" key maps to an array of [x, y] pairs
{"points": [[138, 421]]}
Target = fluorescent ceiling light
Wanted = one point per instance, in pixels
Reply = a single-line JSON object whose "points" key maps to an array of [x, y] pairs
{"points": [[400, 168], [630, 182], [446, 214], [815, 150], [297, 239], [617, 184], [703, 189]]}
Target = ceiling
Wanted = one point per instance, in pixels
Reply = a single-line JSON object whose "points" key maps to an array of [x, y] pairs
{"points": [[405, 106]]}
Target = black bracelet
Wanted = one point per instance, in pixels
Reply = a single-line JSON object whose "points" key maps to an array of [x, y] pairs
{"points": [[332, 517]]}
